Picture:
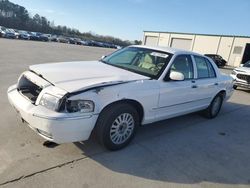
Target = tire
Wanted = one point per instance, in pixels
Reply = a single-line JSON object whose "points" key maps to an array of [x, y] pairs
{"points": [[234, 86], [111, 132], [214, 108]]}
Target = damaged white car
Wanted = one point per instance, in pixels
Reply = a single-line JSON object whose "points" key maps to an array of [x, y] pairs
{"points": [[137, 85]]}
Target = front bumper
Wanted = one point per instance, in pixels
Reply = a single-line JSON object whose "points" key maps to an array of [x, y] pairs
{"points": [[53, 126], [241, 84]]}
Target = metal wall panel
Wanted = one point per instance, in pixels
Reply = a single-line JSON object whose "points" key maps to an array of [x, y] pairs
{"points": [[151, 41], [184, 44]]}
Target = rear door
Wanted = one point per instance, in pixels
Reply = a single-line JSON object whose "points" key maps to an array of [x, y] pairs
{"points": [[206, 80]]}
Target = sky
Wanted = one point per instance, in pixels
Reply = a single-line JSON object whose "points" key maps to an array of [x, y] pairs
{"points": [[127, 19]]}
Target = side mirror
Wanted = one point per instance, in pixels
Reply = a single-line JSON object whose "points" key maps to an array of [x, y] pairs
{"points": [[241, 65], [103, 56], [177, 76]]}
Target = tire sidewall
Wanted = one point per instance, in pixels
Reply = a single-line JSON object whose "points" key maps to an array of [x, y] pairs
{"points": [[211, 106], [112, 114]]}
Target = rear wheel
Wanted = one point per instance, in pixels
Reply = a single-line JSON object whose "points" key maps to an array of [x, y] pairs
{"points": [[116, 126], [214, 108]]}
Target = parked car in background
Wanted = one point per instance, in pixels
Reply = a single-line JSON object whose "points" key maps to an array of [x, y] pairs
{"points": [[63, 39], [118, 47], [43, 37], [15, 32], [54, 38], [24, 35], [10, 34], [72, 40], [37, 36], [2, 31], [49, 36], [78, 41], [83, 42], [93, 43], [34, 36], [87, 42], [219, 61], [241, 76], [137, 85]]}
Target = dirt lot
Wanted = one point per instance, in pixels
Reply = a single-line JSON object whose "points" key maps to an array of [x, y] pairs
{"points": [[188, 151]]}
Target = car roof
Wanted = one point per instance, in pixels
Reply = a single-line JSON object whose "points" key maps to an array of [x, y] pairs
{"points": [[167, 49]]}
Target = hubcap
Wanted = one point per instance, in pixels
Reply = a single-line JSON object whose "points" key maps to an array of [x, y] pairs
{"points": [[122, 128], [216, 105]]}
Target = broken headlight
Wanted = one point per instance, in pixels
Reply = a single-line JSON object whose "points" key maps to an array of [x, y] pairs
{"points": [[49, 101], [84, 106]]}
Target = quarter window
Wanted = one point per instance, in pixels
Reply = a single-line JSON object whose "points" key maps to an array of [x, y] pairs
{"points": [[204, 68], [184, 65]]}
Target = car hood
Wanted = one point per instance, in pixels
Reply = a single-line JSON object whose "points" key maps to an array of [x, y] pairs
{"points": [[243, 69], [81, 75]]}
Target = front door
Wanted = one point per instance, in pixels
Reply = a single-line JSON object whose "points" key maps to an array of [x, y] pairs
{"points": [[177, 97]]}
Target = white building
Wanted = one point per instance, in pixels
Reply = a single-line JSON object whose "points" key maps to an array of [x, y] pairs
{"points": [[234, 49]]}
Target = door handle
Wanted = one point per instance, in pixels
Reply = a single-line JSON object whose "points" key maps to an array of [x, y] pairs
{"points": [[194, 86], [216, 84]]}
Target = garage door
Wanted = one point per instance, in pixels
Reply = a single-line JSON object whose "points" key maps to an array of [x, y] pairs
{"points": [[184, 44], [151, 41]]}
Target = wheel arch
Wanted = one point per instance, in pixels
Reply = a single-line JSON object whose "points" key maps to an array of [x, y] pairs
{"points": [[223, 93], [137, 105]]}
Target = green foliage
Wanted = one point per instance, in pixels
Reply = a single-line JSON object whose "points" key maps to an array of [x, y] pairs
{"points": [[138, 42], [17, 17]]}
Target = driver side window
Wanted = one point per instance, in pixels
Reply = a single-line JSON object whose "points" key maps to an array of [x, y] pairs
{"points": [[184, 65]]}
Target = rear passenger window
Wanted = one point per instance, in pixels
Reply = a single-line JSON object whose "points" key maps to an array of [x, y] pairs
{"points": [[210, 69], [204, 68]]}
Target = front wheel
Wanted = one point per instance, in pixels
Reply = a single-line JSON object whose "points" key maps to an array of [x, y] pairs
{"points": [[116, 126], [214, 108]]}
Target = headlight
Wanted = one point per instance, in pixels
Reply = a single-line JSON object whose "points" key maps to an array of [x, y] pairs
{"points": [[80, 106], [234, 72], [49, 101]]}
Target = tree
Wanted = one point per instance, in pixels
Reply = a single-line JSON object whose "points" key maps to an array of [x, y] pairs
{"points": [[17, 17], [37, 19], [137, 42]]}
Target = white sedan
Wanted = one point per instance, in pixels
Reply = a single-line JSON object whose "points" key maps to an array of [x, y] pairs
{"points": [[241, 76], [137, 85]]}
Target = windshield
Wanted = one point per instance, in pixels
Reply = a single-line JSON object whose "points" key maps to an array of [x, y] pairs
{"points": [[247, 64], [143, 61]]}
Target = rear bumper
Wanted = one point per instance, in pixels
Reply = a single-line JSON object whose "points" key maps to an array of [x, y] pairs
{"points": [[53, 126]]}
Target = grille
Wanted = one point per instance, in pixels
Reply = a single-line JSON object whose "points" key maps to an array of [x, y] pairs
{"points": [[244, 77], [29, 89]]}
